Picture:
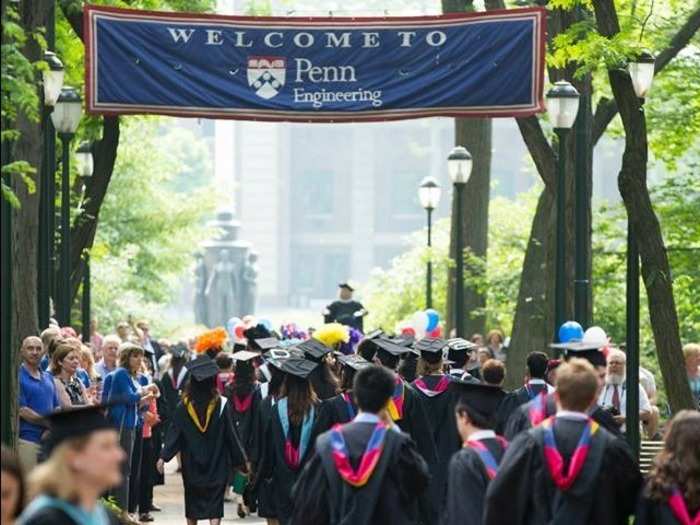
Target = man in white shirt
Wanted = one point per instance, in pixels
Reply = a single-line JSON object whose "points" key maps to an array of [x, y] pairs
{"points": [[613, 395]]}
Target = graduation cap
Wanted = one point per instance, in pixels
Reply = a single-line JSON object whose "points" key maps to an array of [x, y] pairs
{"points": [[406, 340], [346, 285], [179, 350], [264, 344], [76, 422], [483, 399], [431, 348], [296, 366], [374, 334], [354, 361], [237, 347], [203, 367], [244, 355], [314, 349], [387, 345], [457, 347], [589, 351]]}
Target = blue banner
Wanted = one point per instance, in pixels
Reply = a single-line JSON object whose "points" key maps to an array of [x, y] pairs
{"points": [[314, 69]]}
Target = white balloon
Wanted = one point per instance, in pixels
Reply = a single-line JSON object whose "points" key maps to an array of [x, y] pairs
{"points": [[595, 335], [419, 322]]}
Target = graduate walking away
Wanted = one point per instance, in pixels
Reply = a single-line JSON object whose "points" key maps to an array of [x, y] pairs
{"points": [[202, 431], [432, 389], [288, 441], [473, 467], [365, 472], [672, 492], [568, 469], [85, 461]]}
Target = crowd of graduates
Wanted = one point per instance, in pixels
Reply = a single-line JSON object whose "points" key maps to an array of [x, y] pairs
{"points": [[322, 429]]}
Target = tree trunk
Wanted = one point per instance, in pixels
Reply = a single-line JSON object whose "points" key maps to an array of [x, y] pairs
{"points": [[632, 181], [25, 220], [475, 135]]}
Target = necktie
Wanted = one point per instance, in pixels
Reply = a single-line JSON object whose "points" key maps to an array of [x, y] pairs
{"points": [[616, 398]]}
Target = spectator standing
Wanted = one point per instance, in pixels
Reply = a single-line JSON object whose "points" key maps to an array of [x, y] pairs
{"points": [[152, 350], [37, 398], [494, 342], [11, 487], [125, 387], [691, 353], [87, 372], [110, 350], [672, 492], [123, 331], [613, 395], [96, 339], [64, 367], [47, 336]]}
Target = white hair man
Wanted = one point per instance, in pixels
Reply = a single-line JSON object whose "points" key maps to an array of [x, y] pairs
{"points": [[613, 395]]}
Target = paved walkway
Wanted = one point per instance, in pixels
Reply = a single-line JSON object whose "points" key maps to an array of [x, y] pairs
{"points": [[170, 498]]}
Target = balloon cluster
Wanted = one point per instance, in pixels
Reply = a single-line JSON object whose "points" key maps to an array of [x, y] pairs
{"points": [[572, 331], [236, 326], [424, 323]]}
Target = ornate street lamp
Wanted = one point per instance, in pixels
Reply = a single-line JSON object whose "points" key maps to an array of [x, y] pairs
{"points": [[562, 106], [85, 164], [52, 83], [641, 72], [429, 197], [66, 117], [459, 167]]}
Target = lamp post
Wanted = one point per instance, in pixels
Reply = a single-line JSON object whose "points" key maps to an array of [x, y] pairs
{"points": [[52, 83], [66, 117], [641, 72], [459, 167], [85, 164], [429, 197], [562, 106]]}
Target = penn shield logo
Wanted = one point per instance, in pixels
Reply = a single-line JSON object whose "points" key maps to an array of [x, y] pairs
{"points": [[266, 75]]}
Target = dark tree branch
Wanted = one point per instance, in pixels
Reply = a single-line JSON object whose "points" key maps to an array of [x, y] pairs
{"points": [[607, 108], [540, 150], [632, 182]]}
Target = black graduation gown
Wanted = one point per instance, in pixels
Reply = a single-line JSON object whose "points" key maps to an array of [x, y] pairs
{"points": [[415, 423], [170, 394], [467, 476], [343, 312], [652, 512], [246, 421], [604, 493], [53, 516], [208, 458], [519, 420], [335, 411], [389, 498], [513, 401], [439, 410], [261, 489], [323, 389], [275, 477]]}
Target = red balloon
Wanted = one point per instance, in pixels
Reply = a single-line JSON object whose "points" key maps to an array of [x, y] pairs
{"points": [[238, 331], [408, 330], [435, 333]]}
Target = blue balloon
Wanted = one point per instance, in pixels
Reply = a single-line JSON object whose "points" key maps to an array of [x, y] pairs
{"points": [[570, 331], [266, 323], [231, 324], [433, 320]]}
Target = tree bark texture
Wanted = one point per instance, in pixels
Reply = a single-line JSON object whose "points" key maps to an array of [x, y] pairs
{"points": [[632, 182], [25, 219], [476, 136]]}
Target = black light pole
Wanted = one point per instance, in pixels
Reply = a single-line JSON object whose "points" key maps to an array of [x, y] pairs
{"points": [[429, 197], [53, 82], [581, 282], [85, 309], [85, 164], [562, 106], [642, 74], [66, 117], [459, 166]]}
